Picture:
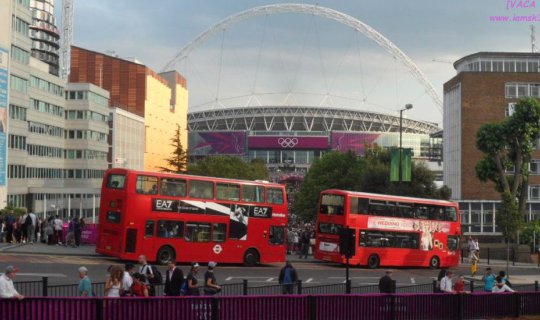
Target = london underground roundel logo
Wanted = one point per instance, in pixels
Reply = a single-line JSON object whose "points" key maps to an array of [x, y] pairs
{"points": [[217, 249]]}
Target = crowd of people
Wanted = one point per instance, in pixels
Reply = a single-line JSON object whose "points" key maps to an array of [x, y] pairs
{"points": [[301, 239], [28, 229]]}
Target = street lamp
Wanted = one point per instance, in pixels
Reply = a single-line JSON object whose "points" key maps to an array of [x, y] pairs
{"points": [[408, 106]]}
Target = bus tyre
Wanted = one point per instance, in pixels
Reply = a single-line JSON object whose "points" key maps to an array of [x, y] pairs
{"points": [[165, 254], [373, 261], [251, 258], [434, 262]]}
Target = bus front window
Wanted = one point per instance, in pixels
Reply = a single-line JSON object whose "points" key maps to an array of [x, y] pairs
{"points": [[116, 181], [332, 204]]}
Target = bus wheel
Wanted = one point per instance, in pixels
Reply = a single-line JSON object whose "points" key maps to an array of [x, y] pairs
{"points": [[434, 262], [251, 258], [373, 261], [165, 254]]}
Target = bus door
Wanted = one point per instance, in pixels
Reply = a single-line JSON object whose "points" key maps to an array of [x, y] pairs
{"points": [[147, 242]]}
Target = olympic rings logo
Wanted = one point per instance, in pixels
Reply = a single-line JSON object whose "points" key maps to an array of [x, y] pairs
{"points": [[288, 142]]}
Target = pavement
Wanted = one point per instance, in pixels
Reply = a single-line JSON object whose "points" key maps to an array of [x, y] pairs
{"points": [[41, 248]]}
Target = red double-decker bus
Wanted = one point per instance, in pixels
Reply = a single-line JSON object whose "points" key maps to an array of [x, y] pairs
{"points": [[389, 230], [191, 218]]}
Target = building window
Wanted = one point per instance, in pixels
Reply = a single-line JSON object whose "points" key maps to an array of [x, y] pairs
{"points": [[20, 55], [17, 113], [19, 84], [534, 192], [535, 166]]}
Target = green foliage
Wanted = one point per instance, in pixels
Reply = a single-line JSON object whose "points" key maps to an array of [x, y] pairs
{"points": [[371, 173], [177, 162], [17, 212], [229, 167], [526, 235], [509, 144]]}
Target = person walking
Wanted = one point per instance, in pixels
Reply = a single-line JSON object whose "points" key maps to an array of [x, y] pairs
{"points": [[57, 226], [174, 279], [192, 283], [127, 279], [287, 278], [7, 289], [304, 243], [9, 220], [489, 280], [78, 230], [210, 283], [386, 283], [85, 284], [31, 226]]}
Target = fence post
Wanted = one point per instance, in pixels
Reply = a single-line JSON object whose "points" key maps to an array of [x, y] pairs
{"points": [[461, 255], [513, 256], [244, 287], [392, 306], [517, 304], [299, 285], [99, 309], [461, 307], [312, 307], [488, 256], [536, 285], [348, 286], [393, 286], [44, 286], [435, 286], [471, 285], [215, 308]]}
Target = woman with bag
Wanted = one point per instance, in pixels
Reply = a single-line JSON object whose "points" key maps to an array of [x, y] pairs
{"points": [[210, 283]]}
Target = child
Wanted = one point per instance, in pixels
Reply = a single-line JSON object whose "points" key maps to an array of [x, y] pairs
{"points": [[474, 266]]}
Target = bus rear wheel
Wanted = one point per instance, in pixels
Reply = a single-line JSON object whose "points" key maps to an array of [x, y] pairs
{"points": [[373, 261], [165, 254], [251, 258], [434, 262]]}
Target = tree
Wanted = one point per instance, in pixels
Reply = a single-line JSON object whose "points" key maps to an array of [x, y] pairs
{"points": [[509, 144], [229, 167], [177, 162]]}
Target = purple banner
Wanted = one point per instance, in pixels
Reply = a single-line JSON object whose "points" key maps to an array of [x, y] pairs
{"points": [[345, 141], [205, 143], [89, 234], [293, 143]]}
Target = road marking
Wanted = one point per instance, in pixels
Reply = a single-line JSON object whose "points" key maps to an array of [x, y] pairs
{"points": [[309, 280], [228, 279], [269, 279], [413, 281], [354, 277]]}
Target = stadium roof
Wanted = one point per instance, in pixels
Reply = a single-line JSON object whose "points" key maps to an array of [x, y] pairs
{"points": [[306, 119]]}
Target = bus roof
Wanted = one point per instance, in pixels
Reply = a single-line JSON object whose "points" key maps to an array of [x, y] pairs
{"points": [[389, 197], [176, 175]]}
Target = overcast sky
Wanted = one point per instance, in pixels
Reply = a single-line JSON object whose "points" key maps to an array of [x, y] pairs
{"points": [[299, 59]]}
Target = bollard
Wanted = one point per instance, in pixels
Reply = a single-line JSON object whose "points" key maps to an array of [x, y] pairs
{"points": [[348, 286], [44, 286], [435, 286], [488, 256], [245, 287]]}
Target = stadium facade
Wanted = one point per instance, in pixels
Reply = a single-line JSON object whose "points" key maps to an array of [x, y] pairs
{"points": [[288, 139]]}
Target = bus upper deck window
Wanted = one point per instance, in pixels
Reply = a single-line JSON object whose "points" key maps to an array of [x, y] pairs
{"points": [[147, 184], [116, 181]]}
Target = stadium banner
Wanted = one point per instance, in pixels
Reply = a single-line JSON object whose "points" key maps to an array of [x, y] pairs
{"points": [[216, 143], [353, 141], [288, 142]]}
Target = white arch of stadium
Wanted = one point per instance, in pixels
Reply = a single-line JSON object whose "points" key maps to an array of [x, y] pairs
{"points": [[324, 12], [302, 119]]}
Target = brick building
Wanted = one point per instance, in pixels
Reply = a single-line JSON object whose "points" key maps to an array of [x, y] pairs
{"points": [[484, 90]]}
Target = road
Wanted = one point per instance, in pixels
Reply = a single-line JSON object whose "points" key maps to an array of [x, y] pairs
{"points": [[62, 269]]}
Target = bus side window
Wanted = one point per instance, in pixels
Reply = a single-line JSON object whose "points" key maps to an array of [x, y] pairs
{"points": [[147, 185], [201, 189], [149, 228], [219, 230], [275, 196], [450, 214], [277, 235]]}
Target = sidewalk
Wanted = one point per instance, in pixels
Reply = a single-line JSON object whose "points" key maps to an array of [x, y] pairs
{"points": [[41, 248]]}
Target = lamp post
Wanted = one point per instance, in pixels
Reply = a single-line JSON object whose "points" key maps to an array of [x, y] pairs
{"points": [[408, 106]]}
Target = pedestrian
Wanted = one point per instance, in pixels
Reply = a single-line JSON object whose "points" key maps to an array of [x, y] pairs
{"points": [[9, 220], [287, 278], [304, 244], [78, 231], [386, 283], [459, 286], [474, 266], [174, 279], [49, 231], [477, 249], [70, 237], [446, 282], [210, 283], [504, 278], [85, 284], [192, 286], [139, 287], [113, 284], [24, 222], [489, 280], [2, 230], [7, 290], [146, 270], [500, 286], [31, 226], [57, 226], [127, 279]]}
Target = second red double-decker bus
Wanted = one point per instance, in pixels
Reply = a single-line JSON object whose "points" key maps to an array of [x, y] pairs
{"points": [[191, 218], [389, 230]]}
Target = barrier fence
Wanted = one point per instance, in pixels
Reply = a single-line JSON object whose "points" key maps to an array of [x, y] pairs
{"points": [[42, 288], [298, 307]]}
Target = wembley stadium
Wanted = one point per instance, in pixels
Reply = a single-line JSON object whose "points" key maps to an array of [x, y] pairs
{"points": [[288, 139]]}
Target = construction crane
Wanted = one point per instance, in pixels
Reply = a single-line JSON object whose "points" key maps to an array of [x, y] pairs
{"points": [[66, 38]]}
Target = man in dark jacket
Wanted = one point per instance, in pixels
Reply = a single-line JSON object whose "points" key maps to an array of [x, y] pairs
{"points": [[386, 284], [174, 279], [287, 278]]}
